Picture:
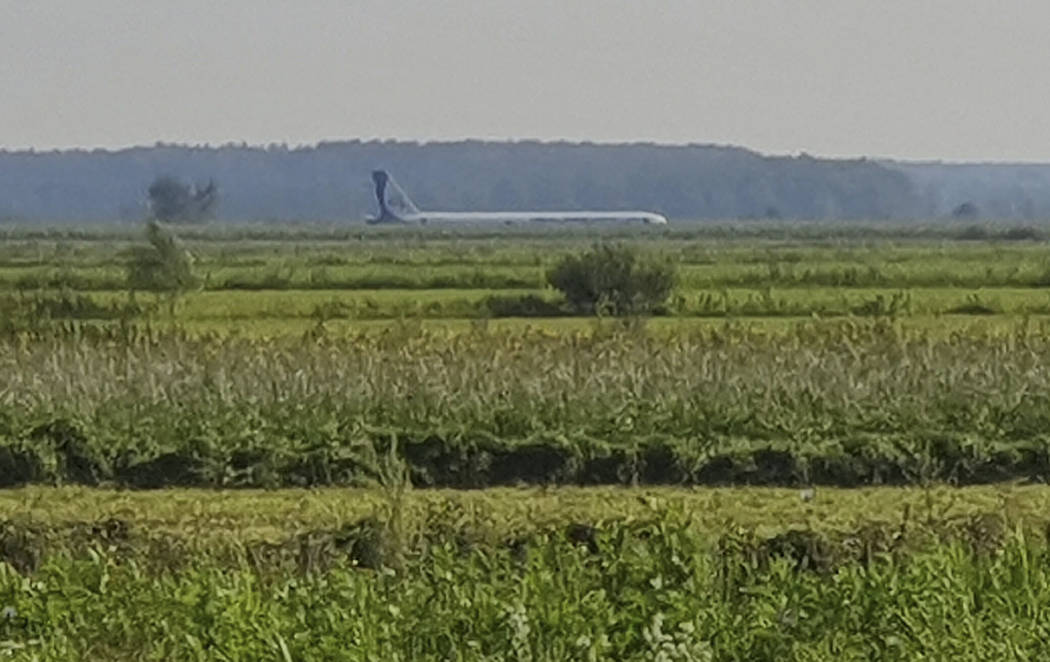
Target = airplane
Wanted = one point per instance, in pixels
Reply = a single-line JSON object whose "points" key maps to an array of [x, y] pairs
{"points": [[396, 207]]}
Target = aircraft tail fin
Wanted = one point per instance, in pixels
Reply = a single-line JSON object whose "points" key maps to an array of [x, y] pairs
{"points": [[394, 203]]}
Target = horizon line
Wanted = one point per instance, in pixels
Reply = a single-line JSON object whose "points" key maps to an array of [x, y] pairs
{"points": [[306, 146]]}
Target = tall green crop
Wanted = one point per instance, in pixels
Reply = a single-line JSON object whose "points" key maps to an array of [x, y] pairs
{"points": [[854, 403], [654, 591]]}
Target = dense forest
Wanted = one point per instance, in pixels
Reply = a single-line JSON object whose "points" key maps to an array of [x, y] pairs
{"points": [[330, 182]]}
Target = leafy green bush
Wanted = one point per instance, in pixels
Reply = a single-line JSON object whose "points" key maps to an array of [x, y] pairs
{"points": [[164, 266], [613, 279]]}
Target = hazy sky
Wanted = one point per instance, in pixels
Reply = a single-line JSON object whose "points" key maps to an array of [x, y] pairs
{"points": [[958, 79]]}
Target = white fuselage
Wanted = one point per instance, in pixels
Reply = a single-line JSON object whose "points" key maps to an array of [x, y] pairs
{"points": [[396, 207], [535, 217]]}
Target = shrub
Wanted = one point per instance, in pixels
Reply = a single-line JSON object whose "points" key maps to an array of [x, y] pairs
{"points": [[613, 279], [164, 266]]}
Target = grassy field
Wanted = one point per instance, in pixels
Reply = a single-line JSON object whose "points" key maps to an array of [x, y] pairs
{"points": [[215, 519], [847, 403], [716, 264], [450, 303], [830, 444], [270, 287], [594, 574], [881, 356]]}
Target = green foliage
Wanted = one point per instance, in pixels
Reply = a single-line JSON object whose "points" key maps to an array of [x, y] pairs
{"points": [[857, 403], [897, 396], [650, 588], [706, 262], [91, 400], [163, 266], [39, 311], [614, 279]]}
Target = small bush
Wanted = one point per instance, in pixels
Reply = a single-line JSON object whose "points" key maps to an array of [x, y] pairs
{"points": [[614, 280], [164, 266]]}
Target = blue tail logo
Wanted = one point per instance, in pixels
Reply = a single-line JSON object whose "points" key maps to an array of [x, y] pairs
{"points": [[394, 204]]}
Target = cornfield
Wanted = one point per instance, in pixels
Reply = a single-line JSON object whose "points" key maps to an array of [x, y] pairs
{"points": [[854, 403], [833, 437], [652, 589]]}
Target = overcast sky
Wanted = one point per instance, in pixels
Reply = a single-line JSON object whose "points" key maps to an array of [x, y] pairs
{"points": [[917, 79]]}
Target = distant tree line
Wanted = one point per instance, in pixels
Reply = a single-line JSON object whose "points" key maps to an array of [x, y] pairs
{"points": [[330, 182]]}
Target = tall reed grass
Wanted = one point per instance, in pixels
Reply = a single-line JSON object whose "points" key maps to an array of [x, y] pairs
{"points": [[856, 402]]}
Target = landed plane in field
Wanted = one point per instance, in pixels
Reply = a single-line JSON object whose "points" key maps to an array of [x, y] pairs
{"points": [[396, 207]]}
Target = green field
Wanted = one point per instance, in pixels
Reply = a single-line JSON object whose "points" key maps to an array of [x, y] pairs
{"points": [[829, 443], [624, 574], [272, 282]]}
